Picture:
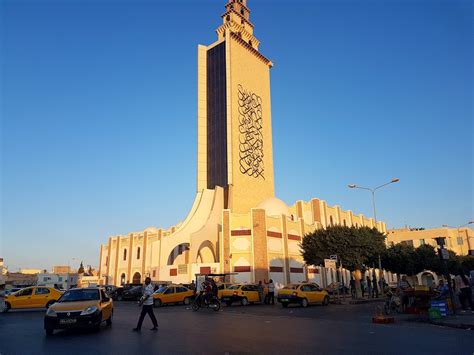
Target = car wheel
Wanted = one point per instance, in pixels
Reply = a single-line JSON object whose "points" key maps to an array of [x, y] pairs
{"points": [[304, 303], [284, 305], [49, 331], [50, 303], [244, 301], [109, 321], [7, 307], [187, 301], [119, 298], [157, 303], [326, 301]]}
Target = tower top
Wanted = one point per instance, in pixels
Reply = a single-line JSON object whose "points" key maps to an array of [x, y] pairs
{"points": [[236, 19]]}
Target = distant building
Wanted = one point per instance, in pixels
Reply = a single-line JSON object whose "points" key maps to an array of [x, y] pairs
{"points": [[58, 280], [61, 269], [2, 276], [30, 271], [17, 279], [459, 240], [88, 281]]}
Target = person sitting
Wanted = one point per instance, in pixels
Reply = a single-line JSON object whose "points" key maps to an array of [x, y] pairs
{"points": [[442, 291]]}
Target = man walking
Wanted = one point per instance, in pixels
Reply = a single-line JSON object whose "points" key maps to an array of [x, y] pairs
{"points": [[147, 306]]}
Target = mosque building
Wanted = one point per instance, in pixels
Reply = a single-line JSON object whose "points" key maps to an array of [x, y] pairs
{"points": [[236, 223]]}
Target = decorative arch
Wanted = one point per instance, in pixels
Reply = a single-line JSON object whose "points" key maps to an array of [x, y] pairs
{"points": [[206, 253], [137, 278], [177, 251]]}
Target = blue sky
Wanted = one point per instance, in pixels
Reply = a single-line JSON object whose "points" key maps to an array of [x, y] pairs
{"points": [[99, 113]]}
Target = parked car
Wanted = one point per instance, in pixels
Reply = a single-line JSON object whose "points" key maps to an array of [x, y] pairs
{"points": [[79, 307], [332, 288], [242, 293], [132, 294], [9, 291], [221, 287], [302, 294], [172, 294], [116, 294], [32, 297]]}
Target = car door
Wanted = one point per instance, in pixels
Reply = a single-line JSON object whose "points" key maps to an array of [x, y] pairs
{"points": [[168, 295], [41, 296], [306, 293], [181, 293], [252, 293], [106, 305], [318, 294], [22, 299]]}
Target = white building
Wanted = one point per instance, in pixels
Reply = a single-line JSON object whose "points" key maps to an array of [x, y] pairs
{"points": [[63, 281], [2, 275]]}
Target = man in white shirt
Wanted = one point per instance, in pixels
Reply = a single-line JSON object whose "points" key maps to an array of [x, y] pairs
{"points": [[147, 306]]}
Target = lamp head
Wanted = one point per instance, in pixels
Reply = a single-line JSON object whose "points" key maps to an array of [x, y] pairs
{"points": [[351, 186], [395, 180]]}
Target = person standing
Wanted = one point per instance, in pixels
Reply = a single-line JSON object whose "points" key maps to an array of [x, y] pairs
{"points": [[260, 291], [369, 288], [146, 302], [352, 286], [362, 285], [375, 289], [271, 291], [463, 287]]}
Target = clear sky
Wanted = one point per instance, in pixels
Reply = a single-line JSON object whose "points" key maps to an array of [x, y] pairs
{"points": [[99, 113]]}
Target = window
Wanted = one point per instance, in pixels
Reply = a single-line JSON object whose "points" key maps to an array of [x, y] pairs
{"points": [[422, 242], [154, 273], [242, 11], [169, 291], [138, 253], [106, 260], [25, 292], [180, 289], [331, 222], [125, 254], [41, 291], [122, 279], [227, 18], [103, 295], [460, 241], [344, 222], [305, 288], [250, 42]]}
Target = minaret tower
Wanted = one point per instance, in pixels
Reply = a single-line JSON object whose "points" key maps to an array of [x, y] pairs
{"points": [[234, 113]]}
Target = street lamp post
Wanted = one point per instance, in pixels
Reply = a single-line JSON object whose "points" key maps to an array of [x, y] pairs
{"points": [[467, 237], [372, 191]]}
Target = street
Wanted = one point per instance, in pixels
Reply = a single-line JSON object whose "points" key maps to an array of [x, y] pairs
{"points": [[341, 329]]}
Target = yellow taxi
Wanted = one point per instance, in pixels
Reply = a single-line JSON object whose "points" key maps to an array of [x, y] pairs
{"points": [[302, 294], [32, 297], [242, 293], [221, 287], [79, 308], [172, 294]]}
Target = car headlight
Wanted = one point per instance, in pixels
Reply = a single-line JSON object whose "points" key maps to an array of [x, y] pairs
{"points": [[89, 310], [51, 313]]}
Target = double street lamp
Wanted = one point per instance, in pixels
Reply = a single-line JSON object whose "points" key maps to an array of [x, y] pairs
{"points": [[372, 190]]}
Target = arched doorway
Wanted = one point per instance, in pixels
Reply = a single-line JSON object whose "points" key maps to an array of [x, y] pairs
{"points": [[206, 253], [122, 279], [137, 278]]}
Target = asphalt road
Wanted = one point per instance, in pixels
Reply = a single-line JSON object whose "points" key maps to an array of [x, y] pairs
{"points": [[334, 329]]}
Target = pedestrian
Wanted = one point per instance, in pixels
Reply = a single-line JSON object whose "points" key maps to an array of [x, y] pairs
{"points": [[192, 287], [403, 287], [146, 302], [375, 289], [260, 291], [369, 288], [362, 286], [464, 292], [271, 291], [352, 285]]}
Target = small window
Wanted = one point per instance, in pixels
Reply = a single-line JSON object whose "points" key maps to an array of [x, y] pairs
{"points": [[242, 11], [60, 279], [227, 18], [25, 292], [169, 291], [125, 254], [138, 253], [460, 241], [331, 222], [422, 242], [181, 289], [344, 222], [154, 273], [305, 288], [42, 291]]}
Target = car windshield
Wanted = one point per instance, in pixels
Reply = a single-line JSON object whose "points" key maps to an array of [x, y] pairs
{"points": [[80, 295], [233, 287], [290, 287], [161, 289]]}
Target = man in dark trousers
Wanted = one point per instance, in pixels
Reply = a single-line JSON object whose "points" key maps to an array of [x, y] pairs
{"points": [[146, 302]]}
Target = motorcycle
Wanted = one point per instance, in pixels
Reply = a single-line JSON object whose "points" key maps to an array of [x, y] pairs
{"points": [[203, 302]]}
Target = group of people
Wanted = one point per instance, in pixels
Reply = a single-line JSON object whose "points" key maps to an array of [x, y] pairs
{"points": [[269, 297], [368, 286]]}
